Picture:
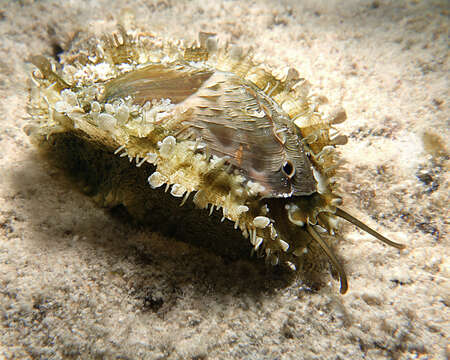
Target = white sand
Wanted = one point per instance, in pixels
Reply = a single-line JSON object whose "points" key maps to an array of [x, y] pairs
{"points": [[78, 284]]}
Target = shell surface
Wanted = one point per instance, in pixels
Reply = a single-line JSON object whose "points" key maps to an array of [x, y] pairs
{"points": [[207, 121]]}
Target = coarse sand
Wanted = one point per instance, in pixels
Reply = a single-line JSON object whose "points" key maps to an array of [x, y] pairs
{"points": [[77, 282]]}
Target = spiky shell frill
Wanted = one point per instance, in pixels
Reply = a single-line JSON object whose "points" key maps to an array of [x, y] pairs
{"points": [[100, 93]]}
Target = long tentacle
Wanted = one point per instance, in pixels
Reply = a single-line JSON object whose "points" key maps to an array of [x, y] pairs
{"points": [[344, 215], [330, 254]]}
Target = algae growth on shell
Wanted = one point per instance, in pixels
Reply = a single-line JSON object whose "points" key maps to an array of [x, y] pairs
{"points": [[207, 130]]}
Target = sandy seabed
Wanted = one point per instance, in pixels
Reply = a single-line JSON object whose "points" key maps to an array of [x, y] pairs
{"points": [[76, 283]]}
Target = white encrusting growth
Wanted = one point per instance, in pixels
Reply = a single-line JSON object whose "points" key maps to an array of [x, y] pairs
{"points": [[242, 209], [69, 97], [68, 103], [167, 145], [95, 107], [261, 221], [62, 107], [284, 245], [107, 122], [255, 188], [197, 145], [122, 113], [151, 157], [155, 111], [109, 109], [178, 190], [156, 180]]}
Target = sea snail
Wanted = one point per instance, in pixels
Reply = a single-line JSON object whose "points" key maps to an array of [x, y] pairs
{"points": [[208, 121]]}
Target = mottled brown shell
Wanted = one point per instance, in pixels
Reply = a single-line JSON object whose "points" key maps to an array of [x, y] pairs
{"points": [[232, 117]]}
